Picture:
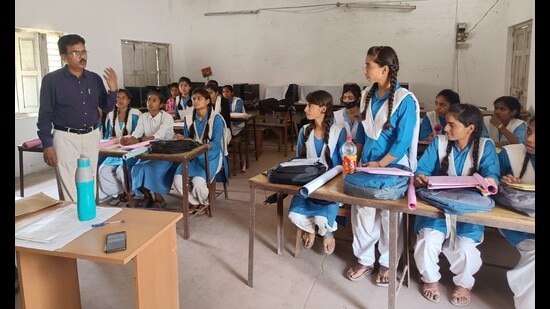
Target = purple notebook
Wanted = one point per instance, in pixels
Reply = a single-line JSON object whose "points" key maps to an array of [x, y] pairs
{"points": [[450, 182]]}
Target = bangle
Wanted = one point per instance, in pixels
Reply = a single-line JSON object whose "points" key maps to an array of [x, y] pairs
{"points": [[499, 126]]}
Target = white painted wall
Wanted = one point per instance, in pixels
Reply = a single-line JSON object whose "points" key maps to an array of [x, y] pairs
{"points": [[313, 48]]}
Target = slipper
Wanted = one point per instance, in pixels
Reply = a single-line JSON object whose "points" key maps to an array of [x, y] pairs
{"points": [[122, 197], [193, 209], [308, 239], [365, 271], [114, 202], [146, 203], [461, 296], [431, 291], [201, 210], [383, 278], [329, 244]]}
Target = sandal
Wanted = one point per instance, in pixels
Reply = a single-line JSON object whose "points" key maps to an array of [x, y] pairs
{"points": [[359, 272], [201, 210], [329, 244], [383, 278], [431, 291], [308, 239], [461, 296], [122, 197], [146, 202], [159, 204]]}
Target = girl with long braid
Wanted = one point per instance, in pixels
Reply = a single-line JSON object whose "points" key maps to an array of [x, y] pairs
{"points": [[461, 152], [391, 118], [319, 139], [517, 164], [206, 126], [121, 121]]}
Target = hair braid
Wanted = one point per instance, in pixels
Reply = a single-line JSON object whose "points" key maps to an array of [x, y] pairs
{"points": [[445, 162], [393, 81], [367, 100], [115, 114]]}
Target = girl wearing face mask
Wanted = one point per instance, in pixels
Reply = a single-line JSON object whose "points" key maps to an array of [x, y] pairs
{"points": [[349, 117]]}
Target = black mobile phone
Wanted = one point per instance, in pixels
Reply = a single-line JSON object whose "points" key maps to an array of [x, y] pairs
{"points": [[115, 242]]}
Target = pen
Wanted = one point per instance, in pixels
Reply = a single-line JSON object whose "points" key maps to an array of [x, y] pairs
{"points": [[107, 222]]}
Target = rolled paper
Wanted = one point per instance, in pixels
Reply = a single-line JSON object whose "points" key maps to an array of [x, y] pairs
{"points": [[485, 184], [449, 182], [316, 183], [384, 171], [411, 194], [135, 152], [31, 144]]}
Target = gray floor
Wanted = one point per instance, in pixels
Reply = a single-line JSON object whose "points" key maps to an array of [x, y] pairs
{"points": [[212, 264]]}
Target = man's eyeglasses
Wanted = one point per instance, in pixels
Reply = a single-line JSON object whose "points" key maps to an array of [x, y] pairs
{"points": [[78, 53]]}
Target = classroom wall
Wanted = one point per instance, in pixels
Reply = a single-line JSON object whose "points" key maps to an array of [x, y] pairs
{"points": [[315, 47]]}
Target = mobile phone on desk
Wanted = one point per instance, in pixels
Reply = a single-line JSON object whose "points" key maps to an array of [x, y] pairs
{"points": [[115, 242]]}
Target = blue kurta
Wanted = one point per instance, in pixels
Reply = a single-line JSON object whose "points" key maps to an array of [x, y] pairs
{"points": [[429, 165], [312, 207]]}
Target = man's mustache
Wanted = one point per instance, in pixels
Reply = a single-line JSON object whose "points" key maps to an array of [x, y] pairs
{"points": [[83, 61]]}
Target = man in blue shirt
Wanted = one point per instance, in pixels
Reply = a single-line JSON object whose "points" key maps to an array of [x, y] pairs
{"points": [[71, 101]]}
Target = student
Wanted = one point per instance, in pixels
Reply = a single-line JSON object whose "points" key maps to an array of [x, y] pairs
{"points": [[219, 103], [505, 126], [75, 126], [462, 151], [517, 164], [350, 116], [319, 139], [170, 105], [443, 101], [184, 104], [152, 175], [391, 121], [236, 106], [206, 127], [121, 121]]}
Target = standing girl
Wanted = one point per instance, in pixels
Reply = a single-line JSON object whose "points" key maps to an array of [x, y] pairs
{"points": [[461, 152], [391, 121], [121, 121], [318, 139]]}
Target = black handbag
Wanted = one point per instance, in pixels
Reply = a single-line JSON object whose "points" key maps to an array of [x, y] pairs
{"points": [[297, 173], [173, 146]]}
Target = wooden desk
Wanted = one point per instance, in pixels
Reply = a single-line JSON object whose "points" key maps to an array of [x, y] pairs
{"points": [[246, 118], [280, 123], [37, 149], [183, 157], [49, 279], [334, 191]]}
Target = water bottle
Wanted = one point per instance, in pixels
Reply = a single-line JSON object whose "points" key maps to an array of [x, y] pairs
{"points": [[85, 195], [437, 129], [349, 154]]}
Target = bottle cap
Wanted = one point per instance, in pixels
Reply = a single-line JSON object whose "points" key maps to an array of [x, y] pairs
{"points": [[83, 162], [349, 139]]}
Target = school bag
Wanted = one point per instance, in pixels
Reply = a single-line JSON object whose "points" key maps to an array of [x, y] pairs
{"points": [[173, 146], [297, 171], [516, 199], [377, 186]]}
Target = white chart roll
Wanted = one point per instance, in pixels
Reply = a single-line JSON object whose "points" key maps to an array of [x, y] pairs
{"points": [[316, 183], [135, 152]]}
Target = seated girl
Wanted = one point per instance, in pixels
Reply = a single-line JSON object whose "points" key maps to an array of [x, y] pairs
{"points": [[505, 126]]}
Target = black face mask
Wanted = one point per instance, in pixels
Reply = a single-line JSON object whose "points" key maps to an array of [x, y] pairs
{"points": [[349, 105]]}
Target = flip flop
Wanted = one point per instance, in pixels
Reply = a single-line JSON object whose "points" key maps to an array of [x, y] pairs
{"points": [[308, 239], [367, 270], [431, 292], [461, 296], [329, 244], [383, 278]]}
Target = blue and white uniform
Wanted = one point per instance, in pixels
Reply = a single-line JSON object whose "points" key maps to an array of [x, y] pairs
{"points": [[465, 259], [429, 121], [154, 175], [517, 126], [197, 166], [371, 225], [237, 106], [111, 174], [353, 128], [521, 278], [306, 213]]}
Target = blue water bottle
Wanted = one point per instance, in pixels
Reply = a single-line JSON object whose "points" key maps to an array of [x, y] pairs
{"points": [[85, 195]]}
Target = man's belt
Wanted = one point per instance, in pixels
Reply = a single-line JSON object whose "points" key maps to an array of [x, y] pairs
{"points": [[75, 131]]}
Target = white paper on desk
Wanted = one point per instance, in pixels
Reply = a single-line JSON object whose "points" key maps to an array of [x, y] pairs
{"points": [[384, 171], [316, 183], [56, 229], [237, 115]]}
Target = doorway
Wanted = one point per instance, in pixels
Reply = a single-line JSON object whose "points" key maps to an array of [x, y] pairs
{"points": [[521, 49]]}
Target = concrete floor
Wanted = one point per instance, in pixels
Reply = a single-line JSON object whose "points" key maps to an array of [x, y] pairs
{"points": [[212, 264]]}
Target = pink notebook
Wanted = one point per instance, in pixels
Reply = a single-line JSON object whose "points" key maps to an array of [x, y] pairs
{"points": [[449, 182], [134, 146], [31, 144]]}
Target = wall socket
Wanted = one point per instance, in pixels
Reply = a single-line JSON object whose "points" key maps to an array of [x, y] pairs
{"points": [[461, 34]]}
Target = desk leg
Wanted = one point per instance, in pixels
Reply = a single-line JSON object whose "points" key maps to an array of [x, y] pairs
{"points": [[251, 235], [255, 145], [185, 199], [48, 281], [246, 142], [22, 174], [285, 138], [156, 273], [280, 229], [392, 286]]}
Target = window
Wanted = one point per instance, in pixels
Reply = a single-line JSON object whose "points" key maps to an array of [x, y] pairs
{"points": [[36, 54], [145, 64]]}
